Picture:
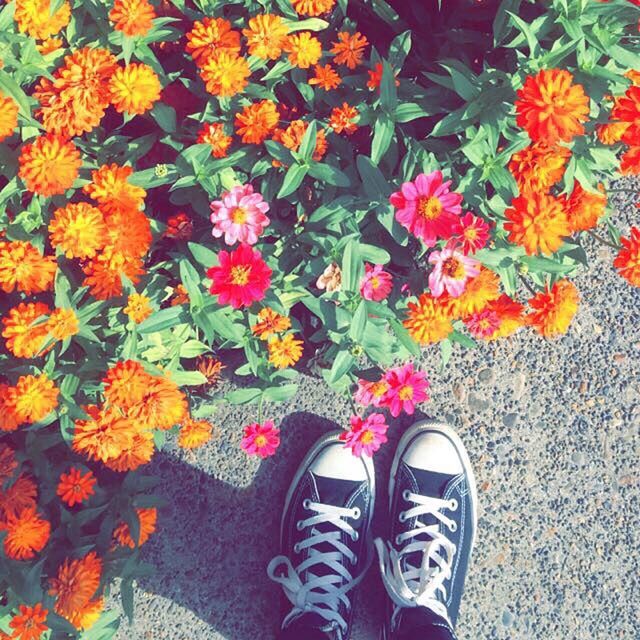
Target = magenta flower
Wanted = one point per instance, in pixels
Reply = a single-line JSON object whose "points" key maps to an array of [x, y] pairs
{"points": [[376, 284], [470, 233], [427, 208], [483, 324], [365, 436], [260, 439], [407, 388], [371, 392], [239, 215], [451, 271]]}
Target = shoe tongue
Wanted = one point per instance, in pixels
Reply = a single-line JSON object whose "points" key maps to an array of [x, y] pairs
{"points": [[334, 491], [432, 485], [307, 621]]}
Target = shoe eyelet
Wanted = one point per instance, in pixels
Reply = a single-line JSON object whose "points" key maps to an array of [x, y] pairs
{"points": [[354, 560], [354, 536], [306, 504], [453, 504], [356, 513], [453, 527], [398, 540], [299, 525], [406, 495], [402, 516], [296, 548]]}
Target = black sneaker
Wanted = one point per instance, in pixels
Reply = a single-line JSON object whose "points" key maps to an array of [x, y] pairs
{"points": [[325, 539], [433, 520]]}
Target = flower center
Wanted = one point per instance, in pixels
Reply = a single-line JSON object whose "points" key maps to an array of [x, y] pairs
{"points": [[375, 282], [379, 389], [238, 215], [471, 234], [260, 441], [429, 207], [240, 274], [406, 392], [453, 268], [367, 437]]}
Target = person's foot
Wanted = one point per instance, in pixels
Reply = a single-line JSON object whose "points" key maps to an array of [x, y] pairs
{"points": [[325, 539], [432, 515]]}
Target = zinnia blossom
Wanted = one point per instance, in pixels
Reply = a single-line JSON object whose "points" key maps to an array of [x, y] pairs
{"points": [[552, 310], [470, 233], [49, 45], [194, 433], [27, 534], [29, 623], [75, 583], [8, 116], [266, 36], [25, 339], [372, 392], [78, 229], [8, 462], [214, 135], [292, 136], [365, 436], [163, 405], [239, 215], [126, 383], [349, 50], [627, 109], [63, 323], [312, 7], [611, 132], [407, 388], [225, 73], [257, 121], [269, 322], [35, 18], [18, 496], [342, 119], [585, 208], [179, 227], [478, 292], [140, 452], [483, 324], [134, 88], [241, 278], [103, 274], [111, 189], [375, 76], [510, 314], [75, 487], [376, 284], [426, 207], [260, 439], [551, 108], [132, 17], [85, 617], [627, 261], [33, 398], [428, 321], [284, 352], [304, 49], [630, 161], [210, 35], [538, 167], [451, 271], [8, 419], [325, 77], [24, 268], [138, 307], [147, 519]]}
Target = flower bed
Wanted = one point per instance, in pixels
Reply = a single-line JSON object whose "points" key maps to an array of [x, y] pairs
{"points": [[259, 189]]}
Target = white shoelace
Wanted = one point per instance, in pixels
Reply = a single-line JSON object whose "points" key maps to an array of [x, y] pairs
{"points": [[320, 594], [413, 586]]}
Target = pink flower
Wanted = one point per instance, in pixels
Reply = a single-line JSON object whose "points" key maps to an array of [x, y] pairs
{"points": [[365, 436], [239, 215], [407, 388], [371, 392], [470, 233], [376, 284], [260, 439], [426, 207], [451, 272], [483, 324]]}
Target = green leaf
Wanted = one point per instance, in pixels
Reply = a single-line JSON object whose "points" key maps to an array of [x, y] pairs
{"points": [[464, 340], [539, 264], [280, 393], [310, 24], [162, 320], [165, 116], [399, 50], [193, 348], [192, 281], [383, 130], [375, 255], [352, 267], [388, 90], [343, 362], [202, 254], [126, 595], [279, 152], [188, 378], [374, 183], [292, 179], [308, 144], [405, 339], [10, 88], [329, 173], [243, 396], [356, 329], [408, 111]]}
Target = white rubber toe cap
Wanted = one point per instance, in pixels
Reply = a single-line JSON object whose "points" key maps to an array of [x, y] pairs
{"points": [[336, 461], [433, 451]]}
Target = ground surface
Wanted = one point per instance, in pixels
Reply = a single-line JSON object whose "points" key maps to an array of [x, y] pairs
{"points": [[553, 431]]}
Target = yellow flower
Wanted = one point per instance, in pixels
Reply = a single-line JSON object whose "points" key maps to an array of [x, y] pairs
{"points": [[8, 116], [285, 352], [78, 229], [304, 49], [134, 89], [49, 45], [33, 398], [138, 307], [428, 320], [24, 338], [63, 323], [312, 7], [225, 73], [266, 36], [194, 433], [33, 17], [552, 310]]}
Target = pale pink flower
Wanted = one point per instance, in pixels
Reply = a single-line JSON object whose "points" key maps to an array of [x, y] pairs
{"points": [[260, 439], [376, 284], [451, 271], [371, 392], [365, 436], [239, 215], [330, 279], [407, 388], [427, 208], [483, 324], [470, 233]]}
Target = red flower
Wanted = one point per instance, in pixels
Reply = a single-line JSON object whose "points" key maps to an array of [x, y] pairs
{"points": [[470, 233]]}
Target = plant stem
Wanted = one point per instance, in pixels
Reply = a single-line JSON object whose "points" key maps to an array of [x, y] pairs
{"points": [[593, 234], [525, 282], [622, 190]]}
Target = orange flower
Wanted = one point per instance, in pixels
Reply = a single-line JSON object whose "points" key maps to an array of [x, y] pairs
{"points": [[537, 222], [22, 494], [34, 17], [257, 121], [304, 49], [312, 7], [284, 352], [128, 233], [104, 273], [75, 100], [29, 624], [214, 134], [266, 36], [110, 188], [538, 167], [325, 77], [8, 462], [49, 46], [342, 119], [510, 315], [627, 261], [134, 89], [349, 49], [78, 229], [33, 398], [24, 268], [630, 161], [138, 307], [211, 368], [132, 17], [76, 583], [126, 383], [180, 296], [225, 73], [611, 132], [8, 419], [428, 320], [553, 310], [63, 323], [85, 617], [8, 116], [585, 208], [162, 406], [478, 293], [49, 165], [140, 452], [27, 534], [194, 433], [147, 519], [74, 488], [212, 34], [551, 108], [270, 322], [627, 109], [23, 339], [291, 137]]}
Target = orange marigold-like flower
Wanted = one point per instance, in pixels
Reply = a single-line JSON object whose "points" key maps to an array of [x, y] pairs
{"points": [[24, 268], [312, 7], [627, 109], [138, 307], [180, 295], [22, 494], [510, 314], [140, 452], [537, 222], [8, 116], [147, 519], [612, 132], [76, 583], [78, 229], [63, 323], [74, 487], [8, 462], [291, 137], [103, 273], [8, 419], [551, 108], [27, 534], [34, 17], [85, 617], [75, 100], [538, 167], [25, 340], [257, 121], [304, 49], [110, 188], [125, 383], [284, 352], [270, 322], [214, 135], [627, 261], [630, 161], [33, 398], [49, 45], [49, 165], [30, 623], [349, 49], [194, 433], [553, 310], [428, 320], [211, 368], [212, 34], [128, 233], [132, 17], [585, 208], [477, 294], [134, 89], [266, 36], [225, 73], [325, 77], [162, 406], [342, 119]]}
